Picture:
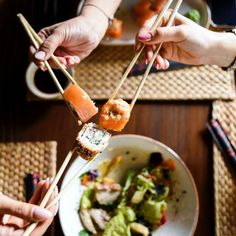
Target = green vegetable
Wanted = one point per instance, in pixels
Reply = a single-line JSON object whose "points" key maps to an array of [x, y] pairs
{"points": [[164, 195], [131, 174], [84, 233], [193, 15], [128, 213], [86, 199], [152, 210], [146, 183], [117, 226], [143, 185]]}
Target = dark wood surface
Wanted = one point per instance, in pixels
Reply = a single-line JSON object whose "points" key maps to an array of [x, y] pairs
{"points": [[180, 125]]}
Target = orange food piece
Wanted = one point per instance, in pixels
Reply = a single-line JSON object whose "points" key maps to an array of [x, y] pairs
{"points": [[80, 102], [114, 115], [115, 29], [158, 5], [146, 15], [170, 164], [84, 180], [142, 6]]}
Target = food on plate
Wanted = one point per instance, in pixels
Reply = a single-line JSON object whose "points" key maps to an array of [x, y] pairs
{"points": [[91, 140], [114, 115], [145, 9], [80, 102], [136, 206], [115, 29], [193, 15]]}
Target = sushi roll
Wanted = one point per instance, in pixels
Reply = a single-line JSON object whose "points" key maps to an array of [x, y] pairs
{"points": [[114, 115], [91, 140], [80, 102]]}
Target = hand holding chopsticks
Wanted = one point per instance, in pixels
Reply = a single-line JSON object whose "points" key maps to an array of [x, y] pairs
{"points": [[127, 71]]}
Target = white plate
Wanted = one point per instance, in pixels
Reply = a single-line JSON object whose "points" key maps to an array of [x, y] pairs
{"points": [[130, 27], [182, 216]]}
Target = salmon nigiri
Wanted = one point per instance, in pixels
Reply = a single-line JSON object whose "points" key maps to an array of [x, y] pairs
{"points": [[114, 115], [80, 101]]}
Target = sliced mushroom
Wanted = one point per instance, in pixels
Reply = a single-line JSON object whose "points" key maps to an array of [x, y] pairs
{"points": [[87, 220], [100, 217]]}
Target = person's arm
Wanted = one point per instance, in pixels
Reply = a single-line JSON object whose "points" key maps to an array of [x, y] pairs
{"points": [[74, 39], [222, 51], [188, 43]]}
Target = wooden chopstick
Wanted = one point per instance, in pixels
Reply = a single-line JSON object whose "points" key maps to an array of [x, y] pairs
{"points": [[36, 45], [73, 180], [40, 41], [48, 194], [170, 22], [130, 66]]}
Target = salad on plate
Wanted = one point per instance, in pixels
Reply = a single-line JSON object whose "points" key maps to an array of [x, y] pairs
{"points": [[135, 206]]}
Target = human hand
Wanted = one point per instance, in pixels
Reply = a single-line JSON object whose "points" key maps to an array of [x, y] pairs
{"points": [[186, 42], [72, 40], [15, 216]]}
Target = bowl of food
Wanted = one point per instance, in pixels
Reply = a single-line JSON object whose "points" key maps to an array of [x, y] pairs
{"points": [[136, 186], [132, 13]]}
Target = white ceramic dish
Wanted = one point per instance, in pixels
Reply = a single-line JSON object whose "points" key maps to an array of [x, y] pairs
{"points": [[182, 216], [131, 28]]}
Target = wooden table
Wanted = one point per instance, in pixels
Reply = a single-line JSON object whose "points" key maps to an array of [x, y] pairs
{"points": [[180, 125]]}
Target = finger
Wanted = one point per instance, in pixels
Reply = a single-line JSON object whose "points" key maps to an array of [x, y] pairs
{"points": [[37, 193], [159, 62], [23, 210], [165, 34], [49, 45], [149, 53], [167, 64]]}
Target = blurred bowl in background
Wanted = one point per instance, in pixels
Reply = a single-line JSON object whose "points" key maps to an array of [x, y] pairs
{"points": [[125, 13]]}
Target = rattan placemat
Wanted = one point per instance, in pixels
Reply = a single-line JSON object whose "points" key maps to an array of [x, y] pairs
{"points": [[101, 71], [224, 181], [19, 159]]}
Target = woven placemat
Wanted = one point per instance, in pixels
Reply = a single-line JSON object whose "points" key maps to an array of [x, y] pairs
{"points": [[224, 181], [101, 71], [19, 159]]}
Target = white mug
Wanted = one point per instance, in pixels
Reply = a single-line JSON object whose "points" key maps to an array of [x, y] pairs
{"points": [[30, 76]]}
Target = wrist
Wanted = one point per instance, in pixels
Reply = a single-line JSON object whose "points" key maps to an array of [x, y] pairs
{"points": [[97, 20], [224, 49]]}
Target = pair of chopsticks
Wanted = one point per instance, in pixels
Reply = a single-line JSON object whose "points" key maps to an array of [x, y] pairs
{"points": [[37, 41], [129, 68]]}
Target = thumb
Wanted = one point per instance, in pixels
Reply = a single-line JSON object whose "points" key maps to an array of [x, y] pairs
{"points": [[162, 35], [23, 210], [50, 44]]}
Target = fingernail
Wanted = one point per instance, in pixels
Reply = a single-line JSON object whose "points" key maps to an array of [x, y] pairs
{"points": [[146, 61], [41, 213], [145, 37], [40, 55]]}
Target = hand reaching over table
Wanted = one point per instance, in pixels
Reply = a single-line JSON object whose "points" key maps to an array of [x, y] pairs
{"points": [[15, 216], [74, 39], [187, 42]]}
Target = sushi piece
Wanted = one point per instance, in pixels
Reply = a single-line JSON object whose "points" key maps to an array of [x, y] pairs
{"points": [[114, 115], [115, 29], [80, 102], [91, 140]]}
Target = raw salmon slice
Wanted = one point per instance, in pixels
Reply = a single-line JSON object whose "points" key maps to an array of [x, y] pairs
{"points": [[80, 102], [114, 115]]}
